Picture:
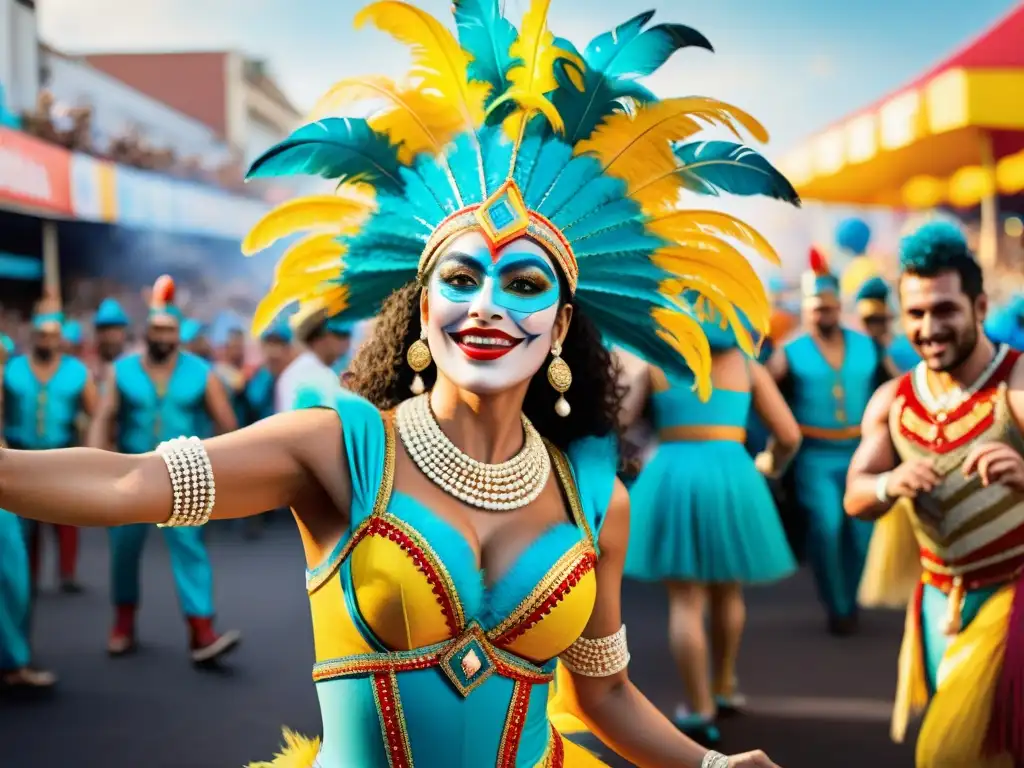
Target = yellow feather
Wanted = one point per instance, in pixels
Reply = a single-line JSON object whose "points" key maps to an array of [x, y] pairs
{"points": [[331, 212], [314, 249], [298, 752], [684, 334], [677, 225], [413, 118], [637, 146], [535, 76], [706, 254]]}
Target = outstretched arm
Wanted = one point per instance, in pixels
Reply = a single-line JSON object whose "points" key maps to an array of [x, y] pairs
{"points": [[265, 466], [612, 707]]}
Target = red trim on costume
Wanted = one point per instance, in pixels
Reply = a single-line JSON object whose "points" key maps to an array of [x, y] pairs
{"points": [[514, 722], [941, 444], [558, 750], [381, 527], [391, 721], [586, 563], [1010, 540]]}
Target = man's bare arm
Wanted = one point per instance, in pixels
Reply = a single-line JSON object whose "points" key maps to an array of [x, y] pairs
{"points": [[100, 433], [874, 456]]}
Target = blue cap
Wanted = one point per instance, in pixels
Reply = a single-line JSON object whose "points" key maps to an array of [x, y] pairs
{"points": [[339, 325], [43, 320], [110, 315], [191, 330], [73, 332], [873, 288], [278, 331]]}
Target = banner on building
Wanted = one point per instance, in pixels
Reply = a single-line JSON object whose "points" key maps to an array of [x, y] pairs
{"points": [[93, 189], [34, 174]]}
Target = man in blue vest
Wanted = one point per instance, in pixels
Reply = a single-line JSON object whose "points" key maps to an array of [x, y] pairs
{"points": [[278, 353], [828, 374], [153, 396], [111, 324], [16, 671], [45, 393]]}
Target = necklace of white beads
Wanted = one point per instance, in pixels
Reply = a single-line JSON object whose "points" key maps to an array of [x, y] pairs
{"points": [[509, 485]]}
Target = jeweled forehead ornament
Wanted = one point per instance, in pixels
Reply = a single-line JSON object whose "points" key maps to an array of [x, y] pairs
{"points": [[501, 218]]}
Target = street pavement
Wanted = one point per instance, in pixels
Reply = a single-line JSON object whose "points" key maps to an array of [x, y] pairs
{"points": [[814, 700]]}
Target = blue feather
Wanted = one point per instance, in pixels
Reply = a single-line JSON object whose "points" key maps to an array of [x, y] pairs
{"points": [[551, 161], [612, 62], [487, 36], [713, 167], [573, 179], [590, 197], [336, 148], [610, 216]]}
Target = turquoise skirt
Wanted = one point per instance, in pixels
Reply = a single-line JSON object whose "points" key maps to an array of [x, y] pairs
{"points": [[701, 512]]}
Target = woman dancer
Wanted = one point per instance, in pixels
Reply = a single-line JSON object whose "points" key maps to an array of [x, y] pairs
{"points": [[704, 521], [461, 540]]}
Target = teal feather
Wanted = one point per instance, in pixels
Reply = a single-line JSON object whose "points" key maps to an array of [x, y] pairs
{"points": [[551, 160], [487, 36], [342, 149], [572, 180], [612, 63], [615, 214], [713, 167], [423, 196], [436, 181], [594, 196], [526, 160]]}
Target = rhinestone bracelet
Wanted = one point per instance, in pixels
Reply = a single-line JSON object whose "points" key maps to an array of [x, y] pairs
{"points": [[598, 657], [191, 481], [714, 760]]}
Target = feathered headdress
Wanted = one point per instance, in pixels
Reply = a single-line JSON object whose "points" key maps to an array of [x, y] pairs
{"points": [[48, 315], [818, 280], [161, 302], [516, 132], [873, 298]]}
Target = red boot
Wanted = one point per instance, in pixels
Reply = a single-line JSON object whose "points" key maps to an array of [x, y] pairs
{"points": [[122, 636], [206, 645]]}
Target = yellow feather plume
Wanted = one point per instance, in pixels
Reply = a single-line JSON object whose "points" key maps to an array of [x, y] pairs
{"points": [[678, 225], [684, 334], [413, 118], [636, 146], [535, 76], [320, 212], [298, 752], [439, 65], [311, 253]]}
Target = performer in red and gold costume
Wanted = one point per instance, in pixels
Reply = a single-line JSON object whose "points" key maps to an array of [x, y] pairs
{"points": [[947, 436]]}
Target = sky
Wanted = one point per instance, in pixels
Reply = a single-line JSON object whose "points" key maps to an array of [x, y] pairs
{"points": [[796, 65]]}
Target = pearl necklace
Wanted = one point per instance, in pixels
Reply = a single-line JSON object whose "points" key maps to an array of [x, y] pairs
{"points": [[509, 485]]}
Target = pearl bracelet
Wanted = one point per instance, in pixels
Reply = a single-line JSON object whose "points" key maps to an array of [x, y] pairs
{"points": [[597, 657], [714, 760], [191, 481]]}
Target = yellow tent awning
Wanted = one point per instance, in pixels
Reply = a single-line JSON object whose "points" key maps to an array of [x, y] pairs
{"points": [[968, 186], [924, 134]]}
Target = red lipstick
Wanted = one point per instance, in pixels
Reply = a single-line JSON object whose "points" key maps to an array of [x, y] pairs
{"points": [[484, 344]]}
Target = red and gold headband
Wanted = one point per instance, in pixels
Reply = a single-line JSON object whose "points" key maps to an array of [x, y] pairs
{"points": [[502, 218]]}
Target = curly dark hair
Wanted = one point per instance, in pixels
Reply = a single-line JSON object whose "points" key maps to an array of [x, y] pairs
{"points": [[380, 373]]}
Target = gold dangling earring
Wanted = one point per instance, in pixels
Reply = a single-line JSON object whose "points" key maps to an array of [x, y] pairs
{"points": [[560, 378], [419, 358]]}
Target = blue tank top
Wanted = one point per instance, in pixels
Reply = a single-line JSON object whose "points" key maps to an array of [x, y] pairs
{"points": [[41, 415], [680, 407], [832, 398], [147, 417]]}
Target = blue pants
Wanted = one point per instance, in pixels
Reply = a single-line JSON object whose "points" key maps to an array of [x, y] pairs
{"points": [[15, 594], [193, 575], [837, 545]]}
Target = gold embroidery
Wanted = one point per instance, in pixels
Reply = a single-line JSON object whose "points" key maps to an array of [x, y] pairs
{"points": [[963, 426], [323, 573], [515, 719], [572, 493], [919, 427], [544, 589], [392, 720]]}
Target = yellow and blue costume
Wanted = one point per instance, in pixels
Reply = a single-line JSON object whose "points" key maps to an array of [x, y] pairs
{"points": [[512, 133]]}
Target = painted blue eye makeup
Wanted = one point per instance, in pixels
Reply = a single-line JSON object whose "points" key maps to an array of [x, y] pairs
{"points": [[522, 283]]}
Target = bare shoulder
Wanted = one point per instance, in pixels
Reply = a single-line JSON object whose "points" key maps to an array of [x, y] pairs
{"points": [[877, 411], [614, 535]]}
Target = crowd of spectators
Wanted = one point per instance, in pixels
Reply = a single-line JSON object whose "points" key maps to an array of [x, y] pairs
{"points": [[72, 128]]}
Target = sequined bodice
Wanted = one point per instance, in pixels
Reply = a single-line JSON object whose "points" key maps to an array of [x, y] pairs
{"points": [[403, 603]]}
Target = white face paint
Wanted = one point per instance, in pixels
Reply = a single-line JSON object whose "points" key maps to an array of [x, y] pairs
{"points": [[491, 315]]}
